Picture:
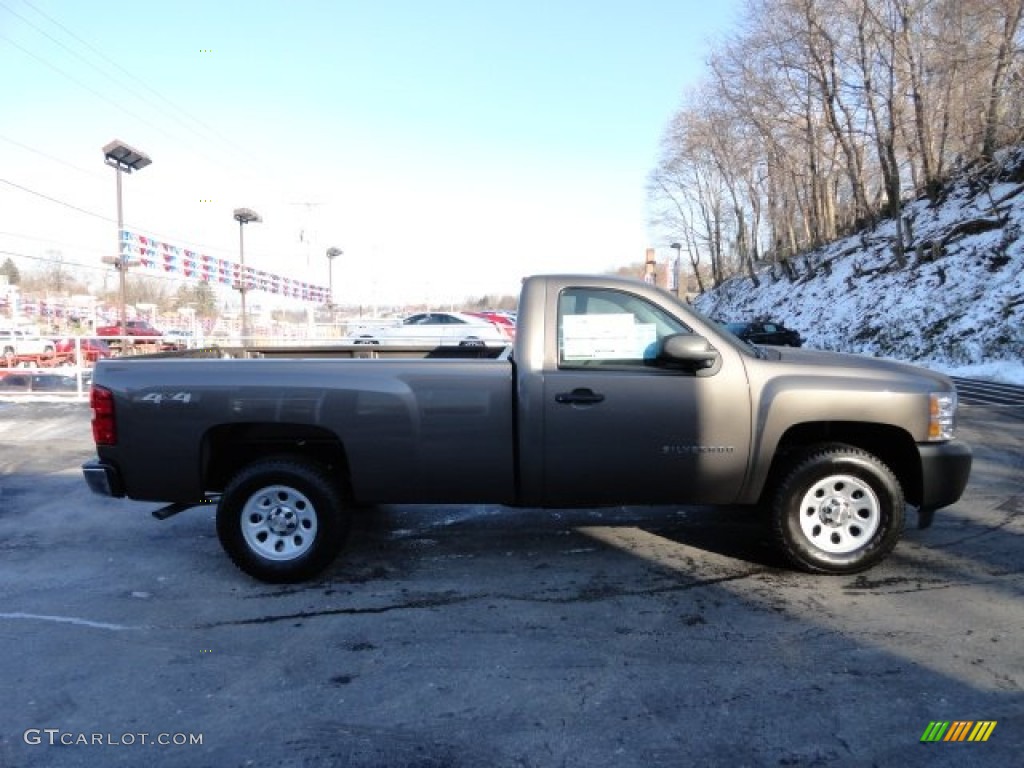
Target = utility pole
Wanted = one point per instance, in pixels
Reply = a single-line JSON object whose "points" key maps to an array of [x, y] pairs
{"points": [[307, 233]]}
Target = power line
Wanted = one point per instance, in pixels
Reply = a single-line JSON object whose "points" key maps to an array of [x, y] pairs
{"points": [[50, 157], [59, 202], [79, 265], [82, 85], [177, 110], [176, 113], [147, 232], [77, 246]]}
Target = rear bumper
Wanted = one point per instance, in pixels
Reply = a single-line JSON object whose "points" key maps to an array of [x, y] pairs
{"points": [[103, 478], [945, 468]]}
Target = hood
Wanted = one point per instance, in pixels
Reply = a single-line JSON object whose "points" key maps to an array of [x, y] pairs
{"points": [[875, 368]]}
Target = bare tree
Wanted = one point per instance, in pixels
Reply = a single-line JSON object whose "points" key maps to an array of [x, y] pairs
{"points": [[1011, 11], [821, 115]]}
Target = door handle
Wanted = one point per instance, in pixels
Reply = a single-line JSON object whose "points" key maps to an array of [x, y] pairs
{"points": [[579, 397]]}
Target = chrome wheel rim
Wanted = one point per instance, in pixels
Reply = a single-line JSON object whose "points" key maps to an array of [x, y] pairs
{"points": [[279, 523], [840, 514]]}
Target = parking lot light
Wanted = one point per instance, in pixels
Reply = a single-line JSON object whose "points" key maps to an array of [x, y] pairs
{"points": [[123, 159], [332, 254], [244, 216]]}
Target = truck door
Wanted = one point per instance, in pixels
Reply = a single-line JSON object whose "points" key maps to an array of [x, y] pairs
{"points": [[620, 427]]}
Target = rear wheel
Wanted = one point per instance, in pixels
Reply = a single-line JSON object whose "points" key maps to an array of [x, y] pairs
{"points": [[282, 520], [839, 510]]}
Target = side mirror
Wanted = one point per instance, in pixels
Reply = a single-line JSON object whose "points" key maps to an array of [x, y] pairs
{"points": [[688, 349]]}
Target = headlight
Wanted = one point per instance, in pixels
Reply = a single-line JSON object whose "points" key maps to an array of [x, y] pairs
{"points": [[941, 415]]}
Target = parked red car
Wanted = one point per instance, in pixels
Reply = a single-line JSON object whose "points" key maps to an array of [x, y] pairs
{"points": [[92, 349], [131, 328], [503, 321]]}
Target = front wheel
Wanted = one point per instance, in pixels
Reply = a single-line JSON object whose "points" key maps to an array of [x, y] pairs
{"points": [[839, 510], [282, 520]]}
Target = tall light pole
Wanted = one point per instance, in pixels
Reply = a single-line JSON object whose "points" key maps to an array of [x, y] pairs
{"points": [[332, 254], [123, 159], [244, 216], [678, 247]]}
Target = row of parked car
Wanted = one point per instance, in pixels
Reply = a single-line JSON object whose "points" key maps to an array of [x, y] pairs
{"points": [[499, 329], [492, 328], [17, 345]]}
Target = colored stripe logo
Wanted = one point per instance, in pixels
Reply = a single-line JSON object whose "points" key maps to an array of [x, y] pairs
{"points": [[958, 730]]}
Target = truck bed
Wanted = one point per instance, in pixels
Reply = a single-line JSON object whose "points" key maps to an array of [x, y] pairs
{"points": [[411, 429]]}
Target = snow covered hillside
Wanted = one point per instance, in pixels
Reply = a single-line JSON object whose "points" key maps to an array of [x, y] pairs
{"points": [[957, 305]]}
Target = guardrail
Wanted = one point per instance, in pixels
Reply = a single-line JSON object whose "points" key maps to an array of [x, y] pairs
{"points": [[60, 375], [33, 381]]}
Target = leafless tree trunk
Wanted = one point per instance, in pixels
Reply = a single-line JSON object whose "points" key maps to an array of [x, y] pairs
{"points": [[1011, 24]]}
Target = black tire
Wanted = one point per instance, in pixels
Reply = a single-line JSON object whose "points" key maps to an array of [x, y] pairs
{"points": [[838, 510], [282, 520]]}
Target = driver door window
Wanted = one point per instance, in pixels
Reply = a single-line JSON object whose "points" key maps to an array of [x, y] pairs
{"points": [[610, 329]]}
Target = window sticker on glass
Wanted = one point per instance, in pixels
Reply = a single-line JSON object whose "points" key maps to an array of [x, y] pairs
{"points": [[606, 337]]}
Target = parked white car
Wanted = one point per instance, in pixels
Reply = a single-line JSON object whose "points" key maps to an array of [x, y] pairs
{"points": [[179, 337], [437, 329], [17, 342]]}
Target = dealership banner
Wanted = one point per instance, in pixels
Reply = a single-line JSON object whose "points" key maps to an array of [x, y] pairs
{"points": [[172, 259]]}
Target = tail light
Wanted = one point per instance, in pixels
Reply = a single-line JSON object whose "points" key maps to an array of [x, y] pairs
{"points": [[104, 425]]}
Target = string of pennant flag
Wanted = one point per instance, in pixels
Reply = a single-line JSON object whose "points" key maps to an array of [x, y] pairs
{"points": [[172, 259]]}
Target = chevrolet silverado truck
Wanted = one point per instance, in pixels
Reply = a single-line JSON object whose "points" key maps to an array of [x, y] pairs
{"points": [[615, 393]]}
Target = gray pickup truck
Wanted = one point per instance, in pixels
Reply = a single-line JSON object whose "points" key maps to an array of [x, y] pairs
{"points": [[614, 393]]}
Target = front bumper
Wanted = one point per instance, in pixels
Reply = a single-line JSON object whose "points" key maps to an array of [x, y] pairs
{"points": [[945, 468], [103, 478]]}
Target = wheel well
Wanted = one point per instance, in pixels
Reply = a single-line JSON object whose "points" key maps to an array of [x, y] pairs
{"points": [[229, 447], [894, 446]]}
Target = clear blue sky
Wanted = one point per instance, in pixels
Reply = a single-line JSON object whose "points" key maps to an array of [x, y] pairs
{"points": [[448, 148]]}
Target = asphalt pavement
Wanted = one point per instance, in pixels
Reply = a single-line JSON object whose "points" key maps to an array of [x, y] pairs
{"points": [[486, 636]]}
